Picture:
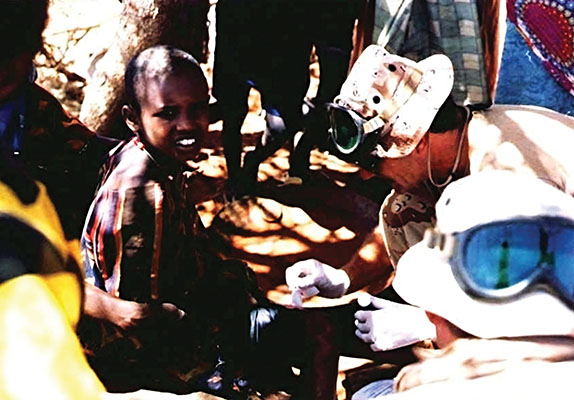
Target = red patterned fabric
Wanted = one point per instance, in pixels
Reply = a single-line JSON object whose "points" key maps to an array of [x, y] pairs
{"points": [[63, 154], [548, 28]]}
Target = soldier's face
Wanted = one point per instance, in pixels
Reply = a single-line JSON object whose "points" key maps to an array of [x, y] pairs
{"points": [[405, 172]]}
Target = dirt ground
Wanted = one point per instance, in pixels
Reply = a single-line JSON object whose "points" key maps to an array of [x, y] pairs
{"points": [[326, 217]]}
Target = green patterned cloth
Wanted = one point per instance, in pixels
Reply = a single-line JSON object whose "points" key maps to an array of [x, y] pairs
{"points": [[419, 28]]}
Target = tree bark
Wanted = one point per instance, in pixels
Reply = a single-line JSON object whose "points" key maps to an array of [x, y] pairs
{"points": [[363, 33], [142, 23], [492, 33]]}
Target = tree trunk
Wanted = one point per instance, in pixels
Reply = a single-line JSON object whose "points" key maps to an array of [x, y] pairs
{"points": [[363, 34], [142, 23], [492, 33]]}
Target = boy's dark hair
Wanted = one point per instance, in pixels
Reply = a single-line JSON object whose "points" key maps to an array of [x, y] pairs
{"points": [[151, 63], [21, 25], [447, 117]]}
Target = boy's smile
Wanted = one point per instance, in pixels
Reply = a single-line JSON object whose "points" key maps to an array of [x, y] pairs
{"points": [[174, 114]]}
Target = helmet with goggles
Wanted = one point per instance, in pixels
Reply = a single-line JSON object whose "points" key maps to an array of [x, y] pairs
{"points": [[386, 104], [500, 262]]}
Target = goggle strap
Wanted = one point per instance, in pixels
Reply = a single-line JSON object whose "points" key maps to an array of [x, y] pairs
{"points": [[373, 124], [433, 239]]}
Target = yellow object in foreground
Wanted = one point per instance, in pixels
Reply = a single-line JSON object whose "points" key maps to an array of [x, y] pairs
{"points": [[40, 356]]}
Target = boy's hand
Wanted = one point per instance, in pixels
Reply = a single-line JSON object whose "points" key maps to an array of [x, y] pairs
{"points": [[131, 314], [171, 312]]}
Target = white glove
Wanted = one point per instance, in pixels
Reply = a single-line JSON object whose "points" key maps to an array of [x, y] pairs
{"points": [[310, 277], [391, 325]]}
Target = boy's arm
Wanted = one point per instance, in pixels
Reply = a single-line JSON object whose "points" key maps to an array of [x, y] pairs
{"points": [[126, 314], [122, 313], [103, 231], [100, 304]]}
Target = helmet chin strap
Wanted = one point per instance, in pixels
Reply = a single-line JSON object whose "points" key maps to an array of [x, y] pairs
{"points": [[456, 159]]}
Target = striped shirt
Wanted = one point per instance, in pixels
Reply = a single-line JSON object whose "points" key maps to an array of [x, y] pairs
{"points": [[143, 239]]}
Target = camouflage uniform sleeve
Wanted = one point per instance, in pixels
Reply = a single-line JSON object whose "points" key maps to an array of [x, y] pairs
{"points": [[403, 219]]}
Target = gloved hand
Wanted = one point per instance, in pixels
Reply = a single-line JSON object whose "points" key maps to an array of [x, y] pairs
{"points": [[391, 325], [311, 277]]}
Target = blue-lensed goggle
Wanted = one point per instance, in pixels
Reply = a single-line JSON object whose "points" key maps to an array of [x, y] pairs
{"points": [[503, 260]]}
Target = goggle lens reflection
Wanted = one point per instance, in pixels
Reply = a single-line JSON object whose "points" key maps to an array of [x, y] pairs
{"points": [[345, 130], [518, 255]]}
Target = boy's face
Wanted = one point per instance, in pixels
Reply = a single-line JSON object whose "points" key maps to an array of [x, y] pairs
{"points": [[174, 114]]}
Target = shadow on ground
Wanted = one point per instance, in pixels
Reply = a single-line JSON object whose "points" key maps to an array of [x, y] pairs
{"points": [[326, 217]]}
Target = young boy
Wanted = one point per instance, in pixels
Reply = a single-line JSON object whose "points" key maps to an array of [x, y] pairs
{"points": [[170, 313]]}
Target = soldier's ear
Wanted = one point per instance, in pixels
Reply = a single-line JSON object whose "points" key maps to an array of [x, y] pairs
{"points": [[423, 144], [132, 118]]}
